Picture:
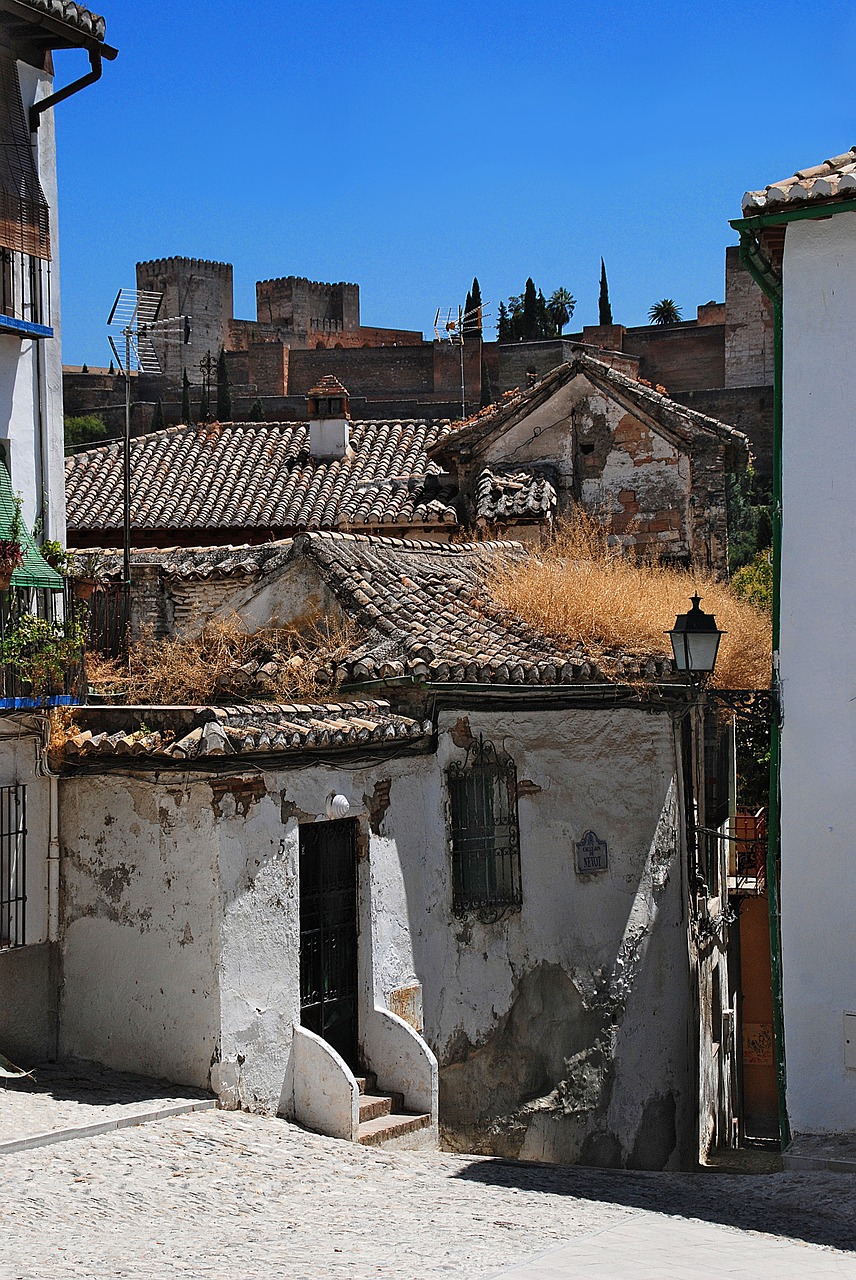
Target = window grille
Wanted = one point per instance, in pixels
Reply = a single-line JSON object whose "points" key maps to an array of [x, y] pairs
{"points": [[13, 865], [485, 833]]}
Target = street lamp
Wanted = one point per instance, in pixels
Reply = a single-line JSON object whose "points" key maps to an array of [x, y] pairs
{"points": [[695, 640]]}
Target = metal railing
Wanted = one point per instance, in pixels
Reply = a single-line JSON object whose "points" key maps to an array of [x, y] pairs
{"points": [[109, 619]]}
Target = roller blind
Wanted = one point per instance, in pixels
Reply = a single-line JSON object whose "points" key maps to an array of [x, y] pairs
{"points": [[24, 215]]}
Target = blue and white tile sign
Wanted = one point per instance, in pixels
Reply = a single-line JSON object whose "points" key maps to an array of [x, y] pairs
{"points": [[592, 854]]}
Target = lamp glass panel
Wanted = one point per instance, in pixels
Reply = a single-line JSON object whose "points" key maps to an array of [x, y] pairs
{"points": [[702, 647]]}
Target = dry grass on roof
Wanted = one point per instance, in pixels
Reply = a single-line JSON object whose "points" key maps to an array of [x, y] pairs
{"points": [[220, 661], [583, 590]]}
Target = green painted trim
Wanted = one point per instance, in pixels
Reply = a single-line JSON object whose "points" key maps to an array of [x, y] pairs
{"points": [[769, 281], [759, 220], [35, 571]]}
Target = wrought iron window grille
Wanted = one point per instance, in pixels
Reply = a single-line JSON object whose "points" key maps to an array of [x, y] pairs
{"points": [[13, 866], [485, 835]]}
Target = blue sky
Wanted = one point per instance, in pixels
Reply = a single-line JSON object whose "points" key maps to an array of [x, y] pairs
{"points": [[410, 146]]}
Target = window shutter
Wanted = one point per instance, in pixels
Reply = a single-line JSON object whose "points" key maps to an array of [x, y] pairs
{"points": [[24, 216]]}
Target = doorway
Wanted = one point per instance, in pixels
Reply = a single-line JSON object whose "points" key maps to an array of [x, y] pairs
{"points": [[328, 934]]}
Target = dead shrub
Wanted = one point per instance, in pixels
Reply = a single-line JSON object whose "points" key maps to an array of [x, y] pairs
{"points": [[585, 592], [221, 661]]}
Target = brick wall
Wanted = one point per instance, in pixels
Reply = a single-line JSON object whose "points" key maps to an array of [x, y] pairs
{"points": [[748, 327], [749, 409], [268, 368], [381, 372], [680, 357]]}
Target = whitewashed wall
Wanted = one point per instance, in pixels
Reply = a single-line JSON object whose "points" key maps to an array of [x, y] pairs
{"points": [[818, 671], [563, 1032]]}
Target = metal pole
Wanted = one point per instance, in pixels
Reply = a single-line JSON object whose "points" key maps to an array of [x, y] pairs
{"points": [[126, 469]]}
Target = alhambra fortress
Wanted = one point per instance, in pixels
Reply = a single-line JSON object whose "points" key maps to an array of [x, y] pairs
{"points": [[720, 363]]}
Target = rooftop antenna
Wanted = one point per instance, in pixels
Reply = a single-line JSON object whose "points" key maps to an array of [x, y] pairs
{"points": [[457, 325], [135, 316]]}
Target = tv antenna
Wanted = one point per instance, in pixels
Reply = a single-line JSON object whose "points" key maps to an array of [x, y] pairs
{"points": [[135, 318], [458, 325]]}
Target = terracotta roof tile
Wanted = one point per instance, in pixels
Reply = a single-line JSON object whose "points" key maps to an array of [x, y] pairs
{"points": [[261, 476], [832, 180], [75, 15]]}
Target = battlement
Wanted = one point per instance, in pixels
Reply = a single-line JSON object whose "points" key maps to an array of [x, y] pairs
{"points": [[208, 265], [307, 283]]}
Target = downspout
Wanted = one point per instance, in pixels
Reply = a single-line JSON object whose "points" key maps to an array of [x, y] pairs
{"points": [[770, 282], [44, 104]]}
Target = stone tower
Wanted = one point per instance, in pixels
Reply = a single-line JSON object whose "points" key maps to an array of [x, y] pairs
{"points": [[200, 289]]}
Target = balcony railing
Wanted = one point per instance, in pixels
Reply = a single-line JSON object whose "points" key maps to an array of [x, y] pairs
{"points": [[41, 650]]}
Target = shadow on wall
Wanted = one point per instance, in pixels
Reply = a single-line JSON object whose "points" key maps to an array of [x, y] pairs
{"points": [[777, 1204]]}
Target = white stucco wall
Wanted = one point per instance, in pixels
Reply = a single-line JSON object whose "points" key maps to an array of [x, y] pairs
{"points": [[562, 1032], [818, 675], [31, 423]]}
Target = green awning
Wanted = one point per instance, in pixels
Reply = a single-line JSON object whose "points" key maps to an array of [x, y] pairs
{"points": [[35, 571]]}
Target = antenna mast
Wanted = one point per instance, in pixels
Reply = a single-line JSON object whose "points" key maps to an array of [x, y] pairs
{"points": [[135, 315], [455, 328]]}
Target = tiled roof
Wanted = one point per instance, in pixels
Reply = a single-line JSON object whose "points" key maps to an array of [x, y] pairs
{"points": [[835, 179], [265, 729], [514, 493], [260, 476], [75, 15], [675, 419], [427, 614]]}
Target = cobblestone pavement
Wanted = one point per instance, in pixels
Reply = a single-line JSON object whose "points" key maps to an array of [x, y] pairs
{"points": [[69, 1095], [220, 1194]]}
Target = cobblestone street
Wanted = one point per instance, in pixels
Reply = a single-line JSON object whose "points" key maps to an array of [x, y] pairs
{"points": [[217, 1194]]}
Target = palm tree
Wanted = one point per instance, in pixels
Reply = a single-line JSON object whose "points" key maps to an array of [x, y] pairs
{"points": [[664, 312], [561, 308]]}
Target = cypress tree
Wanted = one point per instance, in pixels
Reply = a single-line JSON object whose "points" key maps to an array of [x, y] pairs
{"points": [[475, 304], [603, 308], [529, 317], [224, 395], [486, 389], [186, 411], [204, 406], [544, 328], [503, 324], [257, 413], [158, 422]]}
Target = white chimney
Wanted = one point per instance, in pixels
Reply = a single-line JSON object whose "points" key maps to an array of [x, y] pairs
{"points": [[329, 420]]}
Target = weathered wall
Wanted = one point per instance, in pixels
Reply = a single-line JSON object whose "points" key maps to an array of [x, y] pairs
{"points": [[679, 356], [191, 287], [29, 981], [379, 370], [818, 621], [140, 926], [748, 327], [749, 409], [563, 1031]]}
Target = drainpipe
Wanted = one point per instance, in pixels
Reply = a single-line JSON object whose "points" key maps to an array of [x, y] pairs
{"points": [[44, 104], [769, 281]]}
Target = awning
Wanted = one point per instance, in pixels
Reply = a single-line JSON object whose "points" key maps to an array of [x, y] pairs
{"points": [[35, 571]]}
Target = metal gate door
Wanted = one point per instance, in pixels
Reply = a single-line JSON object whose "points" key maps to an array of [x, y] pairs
{"points": [[328, 934]]}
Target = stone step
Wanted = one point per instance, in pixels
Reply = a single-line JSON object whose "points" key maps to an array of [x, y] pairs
{"points": [[373, 1105], [367, 1083], [373, 1133]]}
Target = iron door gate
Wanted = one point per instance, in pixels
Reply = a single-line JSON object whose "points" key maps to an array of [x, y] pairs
{"points": [[328, 934]]}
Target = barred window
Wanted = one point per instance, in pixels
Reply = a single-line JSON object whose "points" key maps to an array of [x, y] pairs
{"points": [[25, 243], [13, 865], [485, 833]]}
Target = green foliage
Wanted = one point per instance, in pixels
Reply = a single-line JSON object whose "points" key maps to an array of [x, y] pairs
{"points": [[84, 429], [561, 307], [88, 567], [503, 324], [754, 582], [486, 389], [204, 406], [604, 309], [257, 413], [56, 555], [224, 394], [665, 311], [753, 763], [748, 503], [186, 411], [42, 651], [158, 422]]}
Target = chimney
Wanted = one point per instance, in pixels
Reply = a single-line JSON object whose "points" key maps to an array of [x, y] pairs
{"points": [[329, 420]]}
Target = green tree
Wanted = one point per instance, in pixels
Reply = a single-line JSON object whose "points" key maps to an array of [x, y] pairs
{"points": [[84, 368], [186, 410], [224, 393], [604, 309], [475, 304], [748, 506], [754, 582], [158, 422], [561, 307], [664, 312], [204, 405], [257, 413], [529, 312], [486, 389], [84, 429], [503, 324]]}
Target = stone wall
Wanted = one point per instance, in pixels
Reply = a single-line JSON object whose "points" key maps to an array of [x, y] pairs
{"points": [[679, 356], [748, 327], [196, 288], [749, 409]]}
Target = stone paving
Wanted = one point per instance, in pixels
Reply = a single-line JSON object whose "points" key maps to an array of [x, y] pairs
{"points": [[59, 1096], [220, 1194]]}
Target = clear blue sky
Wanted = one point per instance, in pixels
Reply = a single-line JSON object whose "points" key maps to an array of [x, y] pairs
{"points": [[410, 146]]}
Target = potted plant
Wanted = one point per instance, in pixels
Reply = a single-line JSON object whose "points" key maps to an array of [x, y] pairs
{"points": [[43, 652], [87, 571], [11, 549], [55, 555]]}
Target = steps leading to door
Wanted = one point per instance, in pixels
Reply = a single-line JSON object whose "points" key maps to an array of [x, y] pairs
{"points": [[382, 1115]]}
